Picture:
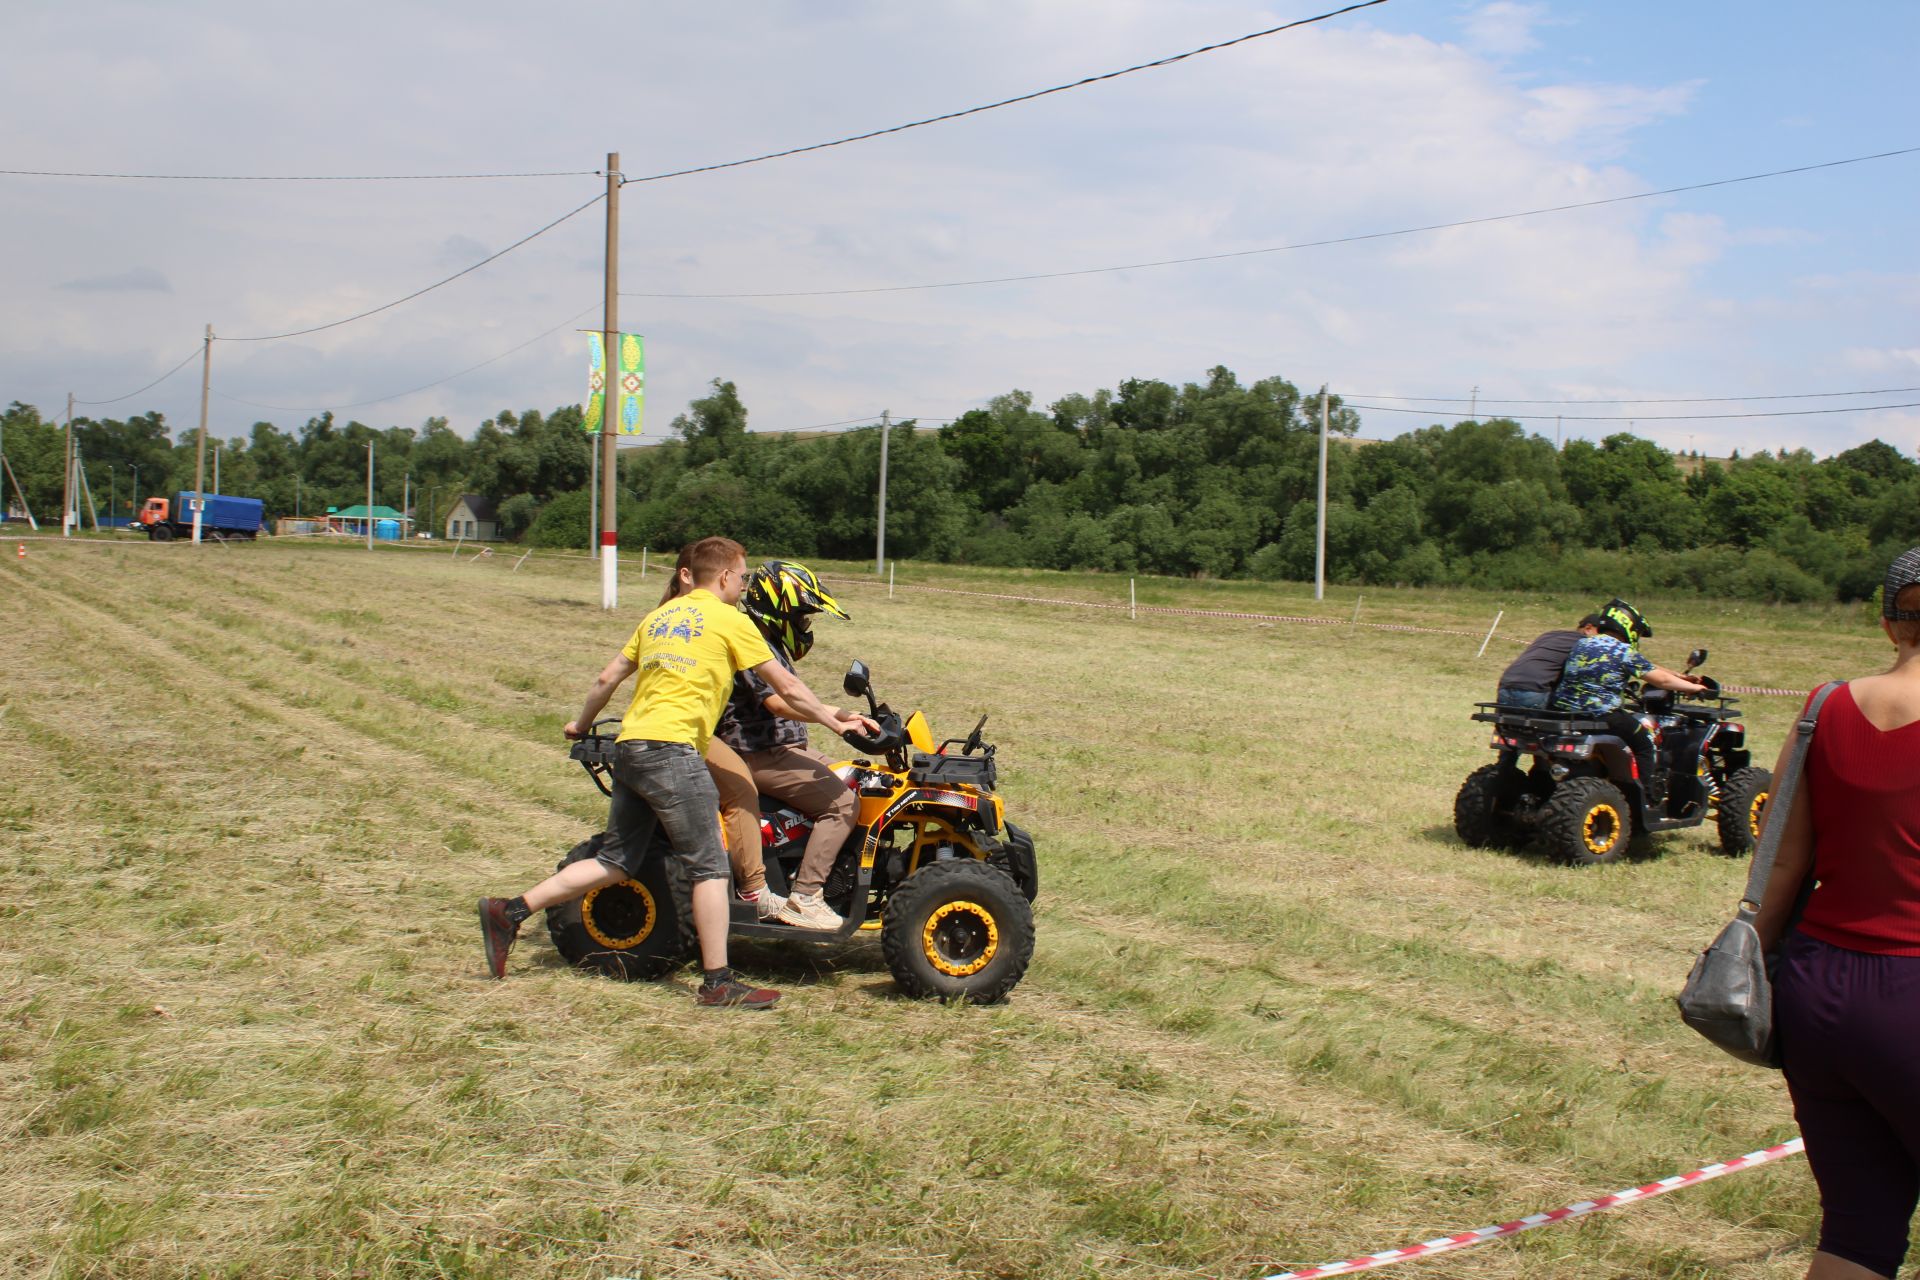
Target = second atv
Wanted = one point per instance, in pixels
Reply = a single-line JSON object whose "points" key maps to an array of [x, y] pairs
{"points": [[931, 864], [1570, 782]]}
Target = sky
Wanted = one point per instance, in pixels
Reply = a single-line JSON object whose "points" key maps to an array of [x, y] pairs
{"points": [[1402, 115]]}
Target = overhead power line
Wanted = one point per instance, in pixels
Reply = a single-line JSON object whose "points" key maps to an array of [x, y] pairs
{"points": [[1007, 102], [299, 177], [1284, 248], [1635, 417], [1798, 395], [335, 324], [359, 404], [151, 385]]}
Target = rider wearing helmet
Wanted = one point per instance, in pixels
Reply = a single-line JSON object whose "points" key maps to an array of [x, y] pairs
{"points": [[781, 597], [1595, 681]]}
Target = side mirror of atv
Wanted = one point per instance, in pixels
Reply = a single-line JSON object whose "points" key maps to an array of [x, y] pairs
{"points": [[1697, 658], [857, 683]]}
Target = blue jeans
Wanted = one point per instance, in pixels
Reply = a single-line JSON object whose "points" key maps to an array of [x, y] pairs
{"points": [[663, 784], [1510, 697]]}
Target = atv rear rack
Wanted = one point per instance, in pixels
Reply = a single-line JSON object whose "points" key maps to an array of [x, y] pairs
{"points": [[1538, 719]]}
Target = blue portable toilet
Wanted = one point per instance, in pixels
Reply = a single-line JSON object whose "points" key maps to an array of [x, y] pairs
{"points": [[386, 530]]}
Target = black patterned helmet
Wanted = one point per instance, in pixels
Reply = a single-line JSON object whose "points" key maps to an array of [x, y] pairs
{"points": [[781, 595], [1632, 627]]}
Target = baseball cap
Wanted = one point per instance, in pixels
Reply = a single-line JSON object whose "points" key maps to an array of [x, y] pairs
{"points": [[1901, 574]]}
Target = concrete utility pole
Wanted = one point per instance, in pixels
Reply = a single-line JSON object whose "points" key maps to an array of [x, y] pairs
{"points": [[406, 502], [66, 475], [200, 452], [593, 494], [1473, 410], [880, 540], [610, 439], [369, 495], [1320, 516]]}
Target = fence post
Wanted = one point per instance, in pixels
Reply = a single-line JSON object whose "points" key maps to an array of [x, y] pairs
{"points": [[1490, 631], [1355, 620], [1132, 611], [643, 562], [522, 560], [889, 580]]}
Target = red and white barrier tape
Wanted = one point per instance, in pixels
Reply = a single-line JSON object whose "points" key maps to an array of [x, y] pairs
{"points": [[1467, 1239]]}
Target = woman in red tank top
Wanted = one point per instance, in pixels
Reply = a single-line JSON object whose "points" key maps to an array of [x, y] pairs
{"points": [[1847, 986]]}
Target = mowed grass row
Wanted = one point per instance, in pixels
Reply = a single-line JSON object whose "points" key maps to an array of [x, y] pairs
{"points": [[1277, 1013]]}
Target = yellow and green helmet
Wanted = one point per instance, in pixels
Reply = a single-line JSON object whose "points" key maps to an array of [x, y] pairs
{"points": [[781, 595], [1628, 619]]}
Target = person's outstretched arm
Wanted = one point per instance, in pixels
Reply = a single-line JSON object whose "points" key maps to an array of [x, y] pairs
{"points": [[802, 704]]}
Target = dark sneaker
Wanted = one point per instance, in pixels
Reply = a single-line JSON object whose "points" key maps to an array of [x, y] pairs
{"points": [[736, 995], [498, 933]]}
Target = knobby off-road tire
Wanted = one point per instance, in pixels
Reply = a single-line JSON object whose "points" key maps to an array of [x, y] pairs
{"points": [[1477, 816], [1586, 822], [636, 929], [958, 929], [1743, 803]]}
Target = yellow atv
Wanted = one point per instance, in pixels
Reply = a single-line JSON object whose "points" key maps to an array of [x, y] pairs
{"points": [[932, 864]]}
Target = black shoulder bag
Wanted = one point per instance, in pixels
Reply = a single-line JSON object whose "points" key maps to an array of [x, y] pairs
{"points": [[1729, 995]]}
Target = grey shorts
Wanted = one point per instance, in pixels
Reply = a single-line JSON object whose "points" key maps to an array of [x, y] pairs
{"points": [[664, 787]]}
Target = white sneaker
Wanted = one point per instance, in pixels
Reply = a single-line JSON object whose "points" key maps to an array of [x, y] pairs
{"points": [[809, 911], [768, 903]]}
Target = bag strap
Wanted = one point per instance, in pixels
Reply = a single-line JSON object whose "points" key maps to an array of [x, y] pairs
{"points": [[1781, 803]]}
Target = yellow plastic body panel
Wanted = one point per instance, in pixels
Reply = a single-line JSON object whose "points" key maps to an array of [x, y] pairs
{"points": [[919, 733]]}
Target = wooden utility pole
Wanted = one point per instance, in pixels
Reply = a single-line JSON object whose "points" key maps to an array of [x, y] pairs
{"points": [[200, 452], [880, 539], [1320, 517], [609, 438]]}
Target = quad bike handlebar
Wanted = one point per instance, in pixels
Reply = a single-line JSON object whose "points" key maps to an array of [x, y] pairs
{"points": [[892, 735]]}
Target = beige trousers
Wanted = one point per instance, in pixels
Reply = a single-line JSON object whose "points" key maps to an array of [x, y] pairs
{"points": [[804, 780], [739, 816]]}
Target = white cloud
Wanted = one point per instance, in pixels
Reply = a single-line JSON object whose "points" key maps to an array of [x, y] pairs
{"points": [[1503, 27], [1902, 360], [136, 280], [1328, 131]]}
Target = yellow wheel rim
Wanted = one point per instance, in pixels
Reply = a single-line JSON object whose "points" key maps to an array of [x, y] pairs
{"points": [[615, 909], [960, 938], [1600, 828], [1756, 812]]}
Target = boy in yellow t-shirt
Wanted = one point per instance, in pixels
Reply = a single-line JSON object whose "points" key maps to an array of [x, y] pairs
{"points": [[686, 652]]}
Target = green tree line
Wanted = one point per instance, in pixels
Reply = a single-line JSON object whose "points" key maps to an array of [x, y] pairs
{"points": [[1213, 478]]}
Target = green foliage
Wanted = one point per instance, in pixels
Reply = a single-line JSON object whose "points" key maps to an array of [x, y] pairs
{"points": [[1209, 479]]}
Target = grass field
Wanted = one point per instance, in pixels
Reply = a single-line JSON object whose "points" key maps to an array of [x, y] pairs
{"points": [[1277, 1013]]}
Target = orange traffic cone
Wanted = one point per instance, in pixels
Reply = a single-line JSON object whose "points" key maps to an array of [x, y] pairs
{"points": [[22, 553]]}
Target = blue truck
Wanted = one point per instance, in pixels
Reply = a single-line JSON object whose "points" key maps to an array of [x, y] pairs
{"points": [[222, 517]]}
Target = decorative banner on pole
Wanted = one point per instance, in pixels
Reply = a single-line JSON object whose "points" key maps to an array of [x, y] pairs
{"points": [[629, 384], [596, 406]]}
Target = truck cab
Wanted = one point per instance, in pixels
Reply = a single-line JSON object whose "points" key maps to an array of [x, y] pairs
{"points": [[154, 513]]}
